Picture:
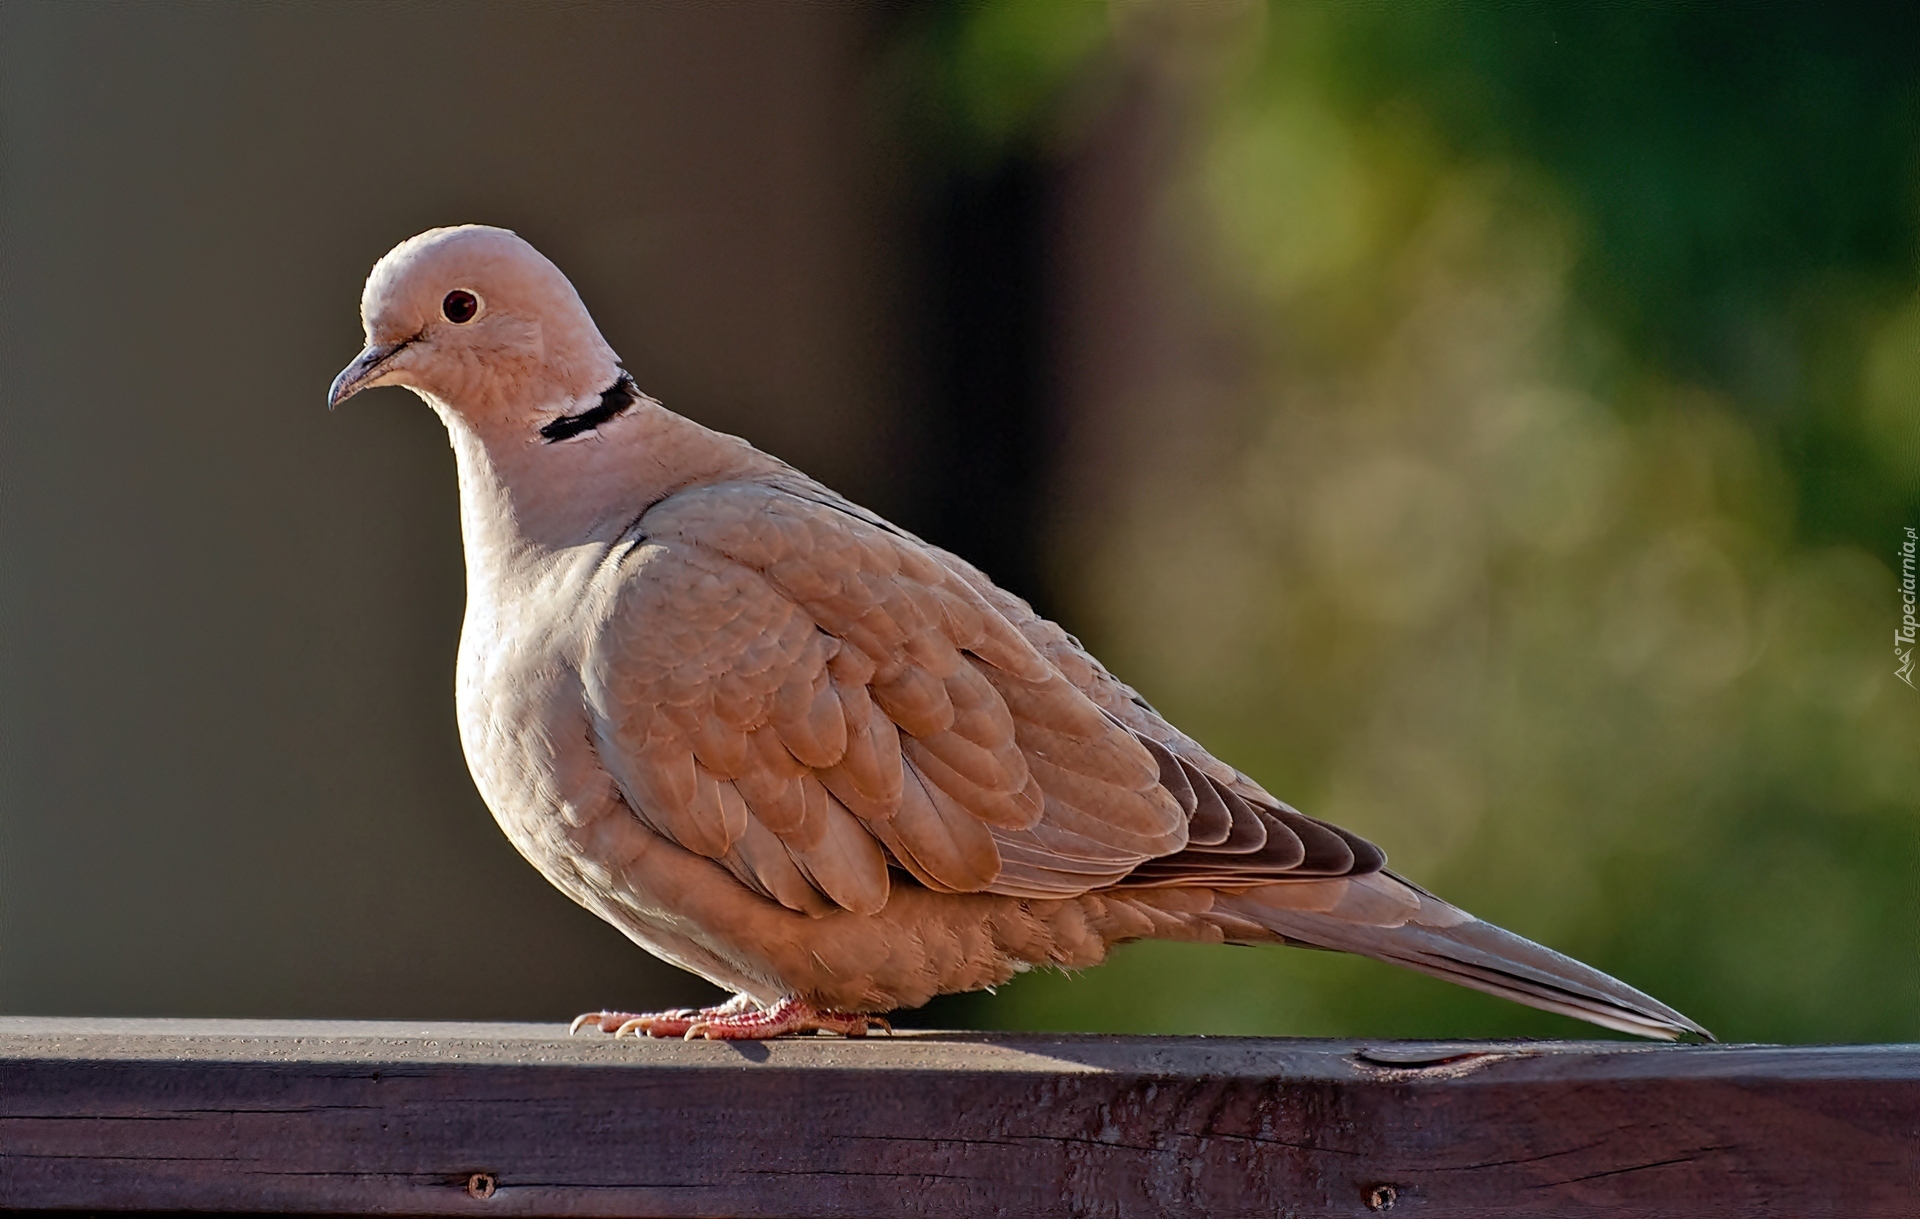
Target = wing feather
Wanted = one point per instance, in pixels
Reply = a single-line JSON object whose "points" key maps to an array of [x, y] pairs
{"points": [[763, 863], [914, 699], [771, 783], [846, 863], [807, 712], [942, 846]]}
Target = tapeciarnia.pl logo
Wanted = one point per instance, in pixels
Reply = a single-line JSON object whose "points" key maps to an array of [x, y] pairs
{"points": [[1904, 633]]}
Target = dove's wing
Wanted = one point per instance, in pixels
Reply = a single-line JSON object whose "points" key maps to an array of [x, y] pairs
{"points": [[1238, 833], [789, 685], [804, 695]]}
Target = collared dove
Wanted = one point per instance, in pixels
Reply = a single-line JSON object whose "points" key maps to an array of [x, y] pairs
{"points": [[793, 748]]}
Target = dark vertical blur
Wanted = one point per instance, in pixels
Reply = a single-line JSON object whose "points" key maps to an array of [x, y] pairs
{"points": [[982, 420]]}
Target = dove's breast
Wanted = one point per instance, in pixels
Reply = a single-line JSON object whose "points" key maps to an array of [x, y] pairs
{"points": [[525, 727], [522, 722]]}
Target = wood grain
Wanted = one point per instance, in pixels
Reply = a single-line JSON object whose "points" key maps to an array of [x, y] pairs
{"points": [[522, 1120]]}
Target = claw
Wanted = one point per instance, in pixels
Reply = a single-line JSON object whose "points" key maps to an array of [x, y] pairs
{"points": [[608, 1021]]}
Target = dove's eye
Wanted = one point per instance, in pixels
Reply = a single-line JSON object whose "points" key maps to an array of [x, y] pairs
{"points": [[460, 306]]}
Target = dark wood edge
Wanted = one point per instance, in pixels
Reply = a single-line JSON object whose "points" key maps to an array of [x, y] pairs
{"points": [[395, 1117]]}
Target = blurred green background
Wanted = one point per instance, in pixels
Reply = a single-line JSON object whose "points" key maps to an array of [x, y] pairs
{"points": [[1491, 426], [1556, 375]]}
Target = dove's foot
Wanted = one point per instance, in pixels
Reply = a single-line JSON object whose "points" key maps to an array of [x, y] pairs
{"points": [[673, 1023], [738, 1019], [787, 1016]]}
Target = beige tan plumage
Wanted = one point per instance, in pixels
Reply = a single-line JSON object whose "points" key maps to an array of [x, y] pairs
{"points": [[795, 749]]}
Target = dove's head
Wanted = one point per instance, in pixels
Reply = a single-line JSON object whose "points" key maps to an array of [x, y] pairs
{"points": [[476, 320]]}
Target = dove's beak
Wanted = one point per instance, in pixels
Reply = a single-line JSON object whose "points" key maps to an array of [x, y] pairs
{"points": [[365, 368]]}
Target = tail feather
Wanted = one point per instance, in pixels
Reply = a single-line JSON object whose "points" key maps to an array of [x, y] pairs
{"points": [[1390, 919]]}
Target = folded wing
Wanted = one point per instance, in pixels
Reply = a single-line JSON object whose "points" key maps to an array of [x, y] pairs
{"points": [[792, 688]]}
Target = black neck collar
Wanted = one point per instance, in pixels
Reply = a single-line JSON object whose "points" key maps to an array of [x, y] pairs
{"points": [[614, 400]]}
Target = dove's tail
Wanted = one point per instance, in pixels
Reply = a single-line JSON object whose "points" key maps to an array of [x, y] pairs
{"points": [[1385, 917]]}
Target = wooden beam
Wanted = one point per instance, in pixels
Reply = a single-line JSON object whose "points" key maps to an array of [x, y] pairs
{"points": [[507, 1119]]}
